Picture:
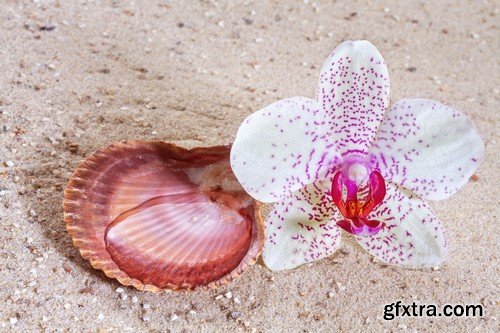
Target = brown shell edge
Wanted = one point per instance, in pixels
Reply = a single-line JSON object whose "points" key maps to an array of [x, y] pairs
{"points": [[85, 248]]}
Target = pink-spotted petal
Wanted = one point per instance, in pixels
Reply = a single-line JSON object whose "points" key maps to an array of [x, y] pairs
{"points": [[412, 236], [354, 90], [301, 228], [282, 148], [427, 147]]}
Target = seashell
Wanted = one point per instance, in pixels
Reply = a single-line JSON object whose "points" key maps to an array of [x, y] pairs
{"points": [[156, 216]]}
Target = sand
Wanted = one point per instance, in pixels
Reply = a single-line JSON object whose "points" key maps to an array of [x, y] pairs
{"points": [[77, 76]]}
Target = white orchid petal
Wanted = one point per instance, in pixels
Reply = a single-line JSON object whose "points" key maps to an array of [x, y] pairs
{"points": [[282, 148], [354, 90], [427, 147], [301, 228], [413, 236]]}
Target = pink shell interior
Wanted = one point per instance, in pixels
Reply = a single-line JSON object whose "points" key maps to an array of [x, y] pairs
{"points": [[157, 216]]}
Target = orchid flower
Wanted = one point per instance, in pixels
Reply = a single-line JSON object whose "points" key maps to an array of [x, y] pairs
{"points": [[345, 162]]}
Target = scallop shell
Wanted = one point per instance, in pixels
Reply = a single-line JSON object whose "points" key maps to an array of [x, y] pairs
{"points": [[156, 216]]}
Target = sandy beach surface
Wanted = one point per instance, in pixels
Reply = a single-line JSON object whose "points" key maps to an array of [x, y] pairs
{"points": [[78, 75]]}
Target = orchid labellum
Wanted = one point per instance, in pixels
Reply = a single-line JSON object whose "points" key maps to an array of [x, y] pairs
{"points": [[346, 161]]}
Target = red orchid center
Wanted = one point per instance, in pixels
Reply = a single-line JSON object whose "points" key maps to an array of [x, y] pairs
{"points": [[356, 211]]}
